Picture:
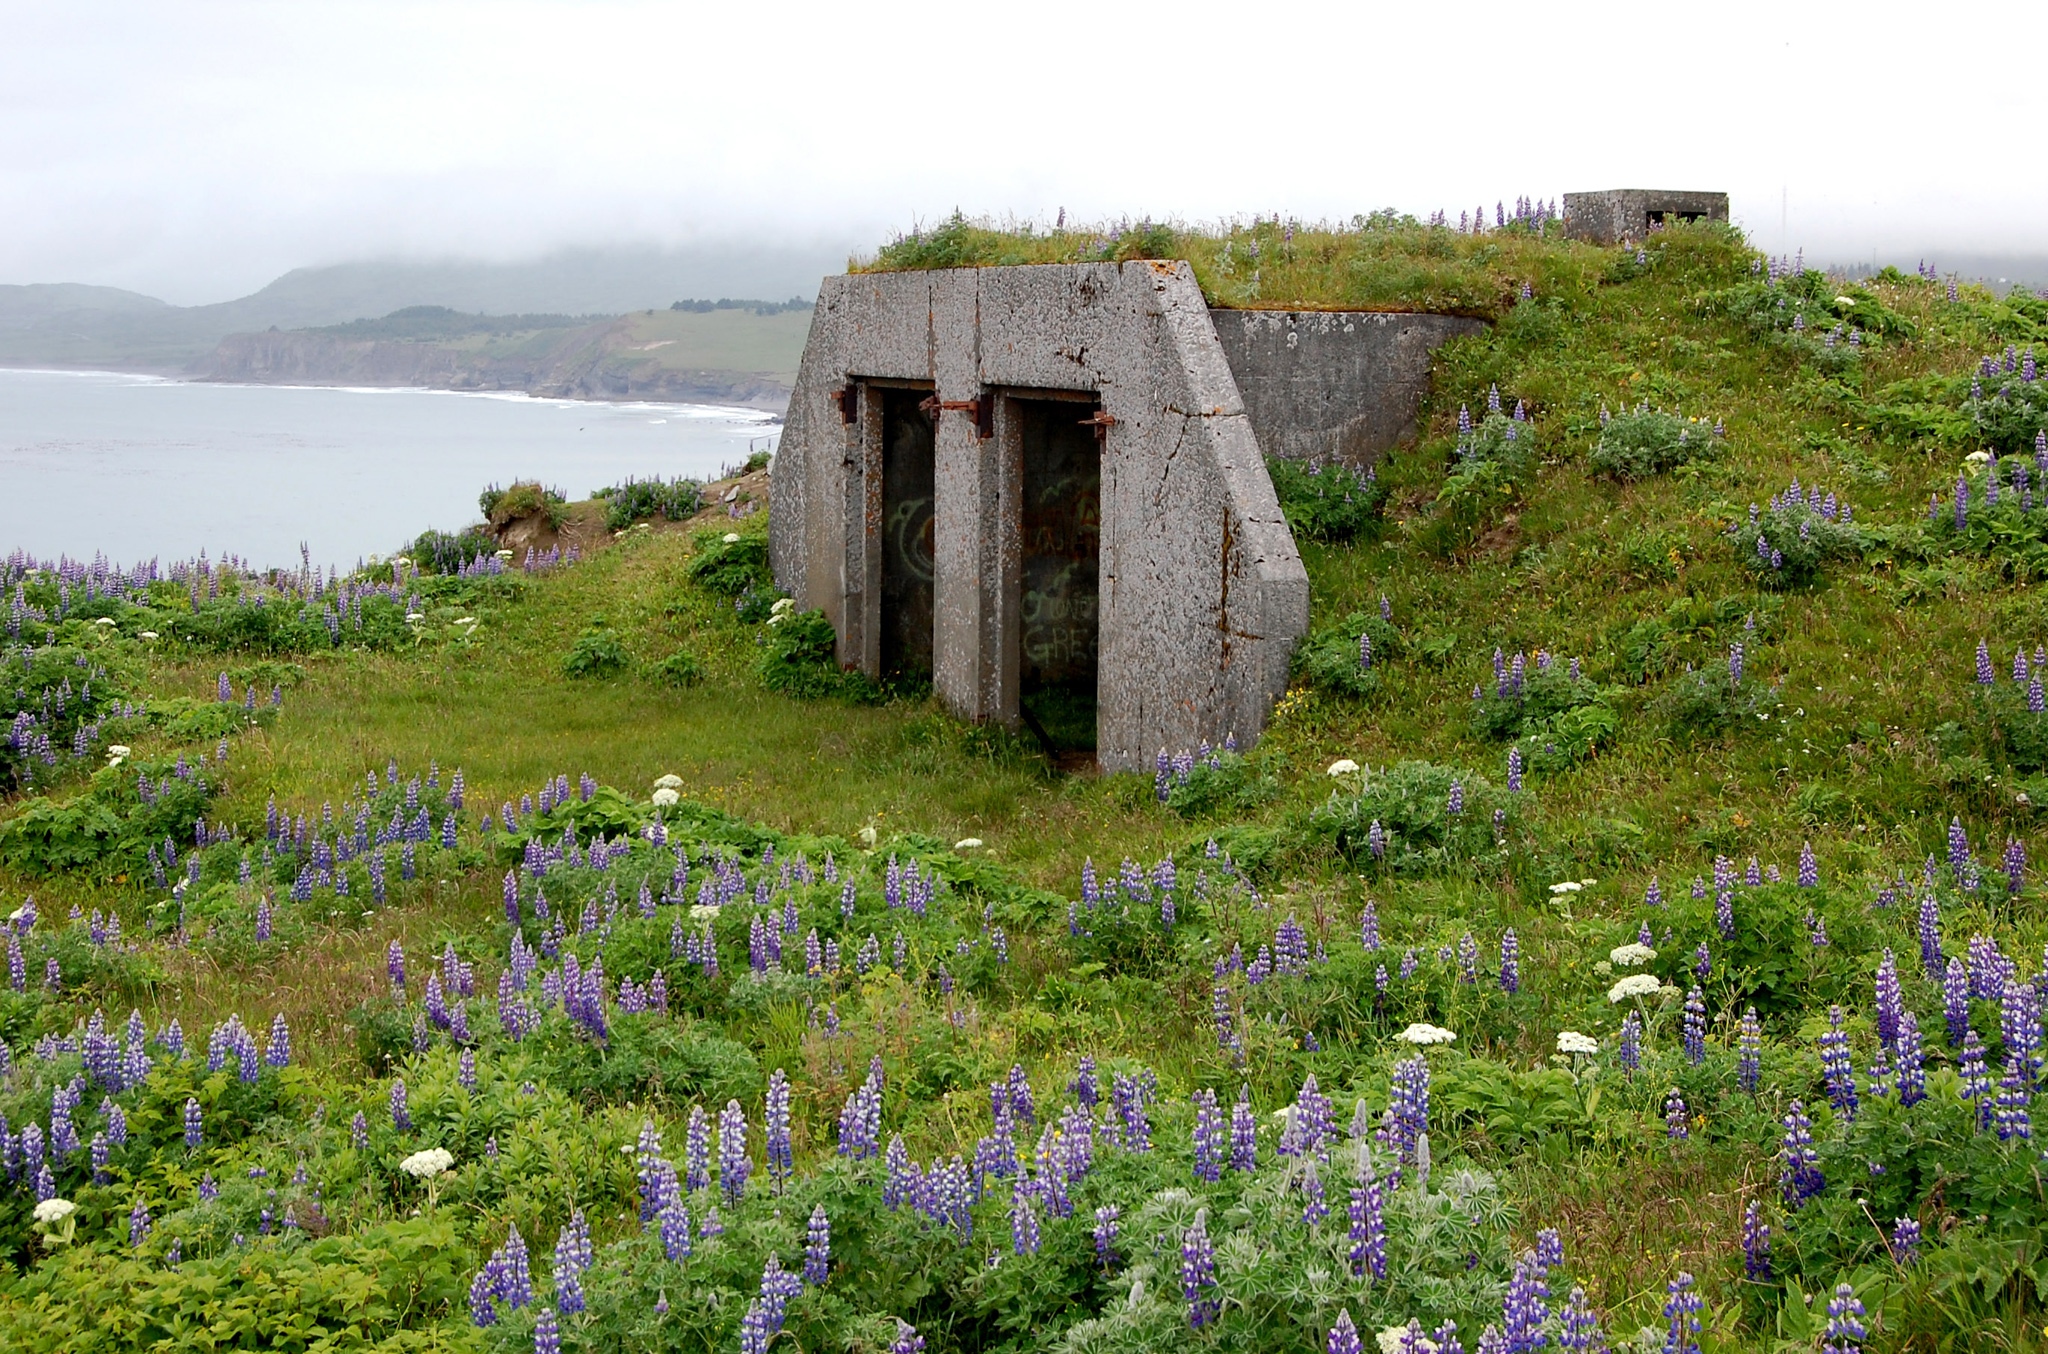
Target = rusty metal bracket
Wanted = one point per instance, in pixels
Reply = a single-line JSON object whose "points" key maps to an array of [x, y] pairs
{"points": [[1102, 422], [849, 402], [981, 409]]}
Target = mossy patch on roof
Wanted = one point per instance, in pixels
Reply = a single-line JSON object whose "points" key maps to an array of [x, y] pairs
{"points": [[1380, 262]]}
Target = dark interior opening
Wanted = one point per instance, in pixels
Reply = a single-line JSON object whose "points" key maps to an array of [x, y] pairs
{"points": [[908, 487], [1668, 217], [1062, 532]]}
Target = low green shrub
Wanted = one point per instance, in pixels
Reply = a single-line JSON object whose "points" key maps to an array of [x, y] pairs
{"points": [[730, 563], [1329, 502], [1638, 443], [1789, 545], [1212, 781], [114, 824], [597, 652], [636, 500], [799, 658], [525, 498], [1347, 658], [1709, 701], [680, 668], [1417, 817], [440, 552]]}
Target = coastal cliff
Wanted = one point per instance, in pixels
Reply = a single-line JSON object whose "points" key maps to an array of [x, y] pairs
{"points": [[721, 357]]}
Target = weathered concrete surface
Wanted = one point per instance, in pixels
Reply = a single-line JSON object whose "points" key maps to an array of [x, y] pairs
{"points": [[1616, 215], [1333, 385], [1202, 593]]}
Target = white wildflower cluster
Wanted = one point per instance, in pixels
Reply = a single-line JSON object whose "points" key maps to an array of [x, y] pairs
{"points": [[1631, 955], [1424, 1034], [1635, 985], [1343, 766], [1571, 1041], [427, 1164]]}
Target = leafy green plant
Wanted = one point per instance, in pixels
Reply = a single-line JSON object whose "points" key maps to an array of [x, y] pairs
{"points": [[1789, 545], [1641, 442], [524, 499], [1327, 502], [799, 658], [635, 500], [1216, 781], [109, 827], [442, 552], [730, 563], [597, 652], [680, 668], [1417, 817], [1716, 699], [1346, 658]]}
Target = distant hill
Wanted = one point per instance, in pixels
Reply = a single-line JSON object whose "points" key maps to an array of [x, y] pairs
{"points": [[68, 324], [713, 353]]}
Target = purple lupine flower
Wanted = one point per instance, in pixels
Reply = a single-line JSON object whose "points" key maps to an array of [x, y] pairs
{"points": [[1930, 937], [1695, 1027], [733, 1162], [1369, 926], [1912, 1079], [1208, 1136], [1756, 1242], [1456, 802], [1579, 1331], [1525, 1308], [1344, 1335], [1514, 770], [1629, 1051], [1985, 676], [1244, 1133], [1976, 1079], [359, 1132], [1675, 1117], [1510, 962], [781, 1161], [1682, 1311], [483, 1311], [193, 1135], [1198, 1271], [401, 1116], [907, 1340], [547, 1336], [1104, 1235], [817, 1247], [675, 1228], [278, 1052], [1904, 1242], [1955, 1000], [1799, 1174], [138, 1225], [1407, 1115], [1024, 1231], [1702, 962], [1835, 1066], [1375, 840], [2014, 861], [1845, 1331], [1749, 1052]]}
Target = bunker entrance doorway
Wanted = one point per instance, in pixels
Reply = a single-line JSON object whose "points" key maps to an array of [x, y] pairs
{"points": [[908, 491], [1060, 478], [1668, 218]]}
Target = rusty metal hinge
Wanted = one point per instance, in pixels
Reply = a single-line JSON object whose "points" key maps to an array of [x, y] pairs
{"points": [[849, 402], [981, 409], [1102, 422]]}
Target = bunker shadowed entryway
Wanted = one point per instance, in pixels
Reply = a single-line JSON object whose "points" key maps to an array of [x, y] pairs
{"points": [[1060, 487], [907, 512]]}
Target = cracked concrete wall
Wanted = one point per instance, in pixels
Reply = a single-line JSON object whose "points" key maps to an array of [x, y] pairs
{"points": [[1202, 592], [1333, 385]]}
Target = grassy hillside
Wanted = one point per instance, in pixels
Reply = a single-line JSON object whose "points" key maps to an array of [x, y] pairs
{"points": [[1673, 836]]}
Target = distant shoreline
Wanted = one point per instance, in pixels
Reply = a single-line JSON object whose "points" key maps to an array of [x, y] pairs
{"points": [[775, 408]]}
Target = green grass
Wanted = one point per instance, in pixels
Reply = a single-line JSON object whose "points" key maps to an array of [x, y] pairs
{"points": [[1871, 664]]}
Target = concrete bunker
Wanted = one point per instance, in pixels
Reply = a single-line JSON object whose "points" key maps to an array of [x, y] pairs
{"points": [[1621, 215], [1044, 487]]}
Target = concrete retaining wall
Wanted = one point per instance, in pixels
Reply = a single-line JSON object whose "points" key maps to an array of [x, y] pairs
{"points": [[1323, 386]]}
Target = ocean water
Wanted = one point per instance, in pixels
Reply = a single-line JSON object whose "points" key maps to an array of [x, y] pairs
{"points": [[139, 467]]}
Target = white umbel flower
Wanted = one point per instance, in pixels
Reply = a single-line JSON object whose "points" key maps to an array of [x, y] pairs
{"points": [[427, 1164], [664, 797], [1424, 1034], [1635, 985], [669, 782], [1571, 1041], [1631, 955], [1343, 766], [54, 1210]]}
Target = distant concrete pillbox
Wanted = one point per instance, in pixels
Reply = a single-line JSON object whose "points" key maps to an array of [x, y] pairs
{"points": [[1043, 488], [1621, 215]]}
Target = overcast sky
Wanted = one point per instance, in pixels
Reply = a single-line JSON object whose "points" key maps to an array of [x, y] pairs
{"points": [[195, 150]]}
